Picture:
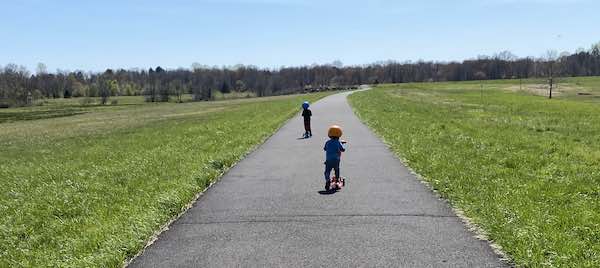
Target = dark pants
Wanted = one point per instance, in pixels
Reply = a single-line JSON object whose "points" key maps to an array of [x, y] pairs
{"points": [[332, 164], [307, 126]]}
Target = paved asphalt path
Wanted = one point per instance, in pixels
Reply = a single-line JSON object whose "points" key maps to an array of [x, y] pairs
{"points": [[271, 210]]}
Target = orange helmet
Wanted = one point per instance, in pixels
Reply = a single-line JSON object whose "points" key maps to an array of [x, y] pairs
{"points": [[334, 131]]}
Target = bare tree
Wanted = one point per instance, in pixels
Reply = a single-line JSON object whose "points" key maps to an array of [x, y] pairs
{"points": [[178, 88], [551, 56], [41, 69]]}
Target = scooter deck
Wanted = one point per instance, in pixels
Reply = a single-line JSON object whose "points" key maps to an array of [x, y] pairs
{"points": [[337, 184]]}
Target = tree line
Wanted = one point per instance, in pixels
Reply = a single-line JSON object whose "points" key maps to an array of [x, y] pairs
{"points": [[19, 87]]}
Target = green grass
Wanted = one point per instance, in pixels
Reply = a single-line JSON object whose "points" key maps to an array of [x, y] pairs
{"points": [[522, 167], [52, 108], [89, 189]]}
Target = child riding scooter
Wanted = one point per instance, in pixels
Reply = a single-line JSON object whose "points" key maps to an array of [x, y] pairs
{"points": [[306, 113], [333, 148]]}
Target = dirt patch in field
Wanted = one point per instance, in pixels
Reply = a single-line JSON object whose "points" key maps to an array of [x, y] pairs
{"points": [[215, 109], [543, 89]]}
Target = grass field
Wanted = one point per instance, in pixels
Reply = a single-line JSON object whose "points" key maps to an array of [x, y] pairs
{"points": [[524, 168], [87, 186], [50, 108]]}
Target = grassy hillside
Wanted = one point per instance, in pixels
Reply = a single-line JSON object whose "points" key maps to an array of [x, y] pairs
{"points": [[86, 186], [524, 168]]}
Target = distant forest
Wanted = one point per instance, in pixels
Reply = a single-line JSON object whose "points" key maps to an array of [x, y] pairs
{"points": [[18, 87]]}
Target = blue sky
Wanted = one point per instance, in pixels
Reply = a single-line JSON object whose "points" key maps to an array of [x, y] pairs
{"points": [[95, 35]]}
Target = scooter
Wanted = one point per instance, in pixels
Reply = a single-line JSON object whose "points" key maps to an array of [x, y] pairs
{"points": [[336, 183]]}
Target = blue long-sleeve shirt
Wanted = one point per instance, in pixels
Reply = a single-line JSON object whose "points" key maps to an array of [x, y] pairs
{"points": [[333, 149]]}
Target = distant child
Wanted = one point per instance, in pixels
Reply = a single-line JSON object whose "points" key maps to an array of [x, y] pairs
{"points": [[306, 113], [333, 148]]}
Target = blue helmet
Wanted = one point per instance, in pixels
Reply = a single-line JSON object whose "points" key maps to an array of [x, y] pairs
{"points": [[305, 105]]}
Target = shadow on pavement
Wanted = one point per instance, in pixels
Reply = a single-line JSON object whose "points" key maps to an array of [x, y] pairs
{"points": [[323, 192]]}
